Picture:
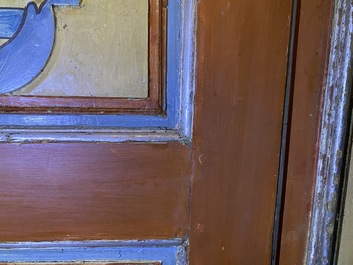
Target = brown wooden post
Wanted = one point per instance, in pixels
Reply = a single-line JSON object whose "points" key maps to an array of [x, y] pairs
{"points": [[241, 73]]}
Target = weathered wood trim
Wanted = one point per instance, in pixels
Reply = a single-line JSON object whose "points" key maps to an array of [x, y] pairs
{"points": [[332, 138], [88, 135], [314, 28], [150, 252], [188, 61]]}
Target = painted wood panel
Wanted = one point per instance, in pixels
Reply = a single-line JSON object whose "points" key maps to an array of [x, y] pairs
{"points": [[93, 191], [101, 49], [139, 42], [99, 113]]}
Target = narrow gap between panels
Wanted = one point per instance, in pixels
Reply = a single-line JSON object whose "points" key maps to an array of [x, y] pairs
{"points": [[287, 115]]}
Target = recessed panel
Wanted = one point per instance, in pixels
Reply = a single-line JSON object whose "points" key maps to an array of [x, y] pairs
{"points": [[97, 48]]}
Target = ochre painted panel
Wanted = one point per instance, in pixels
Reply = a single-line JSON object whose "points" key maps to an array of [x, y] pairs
{"points": [[100, 49]]}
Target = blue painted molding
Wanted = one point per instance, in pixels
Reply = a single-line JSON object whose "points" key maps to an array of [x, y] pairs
{"points": [[179, 93], [188, 61], [169, 252]]}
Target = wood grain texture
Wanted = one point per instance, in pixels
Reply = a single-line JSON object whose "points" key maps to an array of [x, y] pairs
{"points": [[241, 72], [311, 61], [54, 192]]}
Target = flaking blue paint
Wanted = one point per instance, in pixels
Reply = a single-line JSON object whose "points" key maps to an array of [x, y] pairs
{"points": [[169, 252]]}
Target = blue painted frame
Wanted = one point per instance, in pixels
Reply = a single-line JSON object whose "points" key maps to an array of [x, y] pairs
{"points": [[169, 252], [175, 113]]}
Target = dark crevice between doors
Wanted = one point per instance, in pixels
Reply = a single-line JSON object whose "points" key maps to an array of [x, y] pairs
{"points": [[287, 115]]}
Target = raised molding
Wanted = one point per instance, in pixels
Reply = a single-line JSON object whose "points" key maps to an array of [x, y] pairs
{"points": [[168, 252]]}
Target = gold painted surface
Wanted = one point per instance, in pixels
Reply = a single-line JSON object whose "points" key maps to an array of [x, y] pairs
{"points": [[101, 50]]}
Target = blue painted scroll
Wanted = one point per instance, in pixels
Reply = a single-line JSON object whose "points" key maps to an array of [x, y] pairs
{"points": [[10, 21], [31, 39]]}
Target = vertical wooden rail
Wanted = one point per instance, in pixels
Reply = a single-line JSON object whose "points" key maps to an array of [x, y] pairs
{"points": [[240, 83]]}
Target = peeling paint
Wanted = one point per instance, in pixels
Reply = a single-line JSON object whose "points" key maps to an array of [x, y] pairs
{"points": [[333, 132], [169, 252]]}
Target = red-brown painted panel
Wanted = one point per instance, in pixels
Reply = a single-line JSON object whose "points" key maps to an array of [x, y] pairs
{"points": [[93, 191]]}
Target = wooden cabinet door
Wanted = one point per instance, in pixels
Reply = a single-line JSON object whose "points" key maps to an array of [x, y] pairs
{"points": [[217, 190]]}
